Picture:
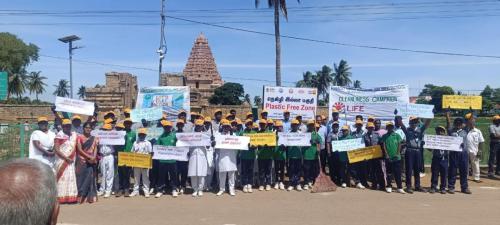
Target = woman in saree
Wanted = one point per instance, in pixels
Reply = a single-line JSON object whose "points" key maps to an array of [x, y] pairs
{"points": [[86, 146], [65, 148]]}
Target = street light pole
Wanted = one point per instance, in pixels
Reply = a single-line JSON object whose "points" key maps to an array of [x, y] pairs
{"points": [[70, 39]]}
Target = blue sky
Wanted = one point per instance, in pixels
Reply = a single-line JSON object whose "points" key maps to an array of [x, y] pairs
{"points": [[472, 29]]}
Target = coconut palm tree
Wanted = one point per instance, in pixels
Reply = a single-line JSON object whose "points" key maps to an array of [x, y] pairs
{"points": [[81, 92], [36, 84], [62, 88], [357, 84], [277, 5], [342, 75], [324, 78], [17, 84]]}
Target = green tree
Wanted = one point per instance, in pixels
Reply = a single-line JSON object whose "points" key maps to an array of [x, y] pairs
{"points": [[324, 78], [436, 93], [228, 94], [36, 84], [308, 80], [278, 5], [62, 88], [17, 84], [357, 84], [257, 101], [81, 92], [15, 56], [342, 75]]}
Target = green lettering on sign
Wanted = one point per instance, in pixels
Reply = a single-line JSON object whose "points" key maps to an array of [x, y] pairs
{"points": [[4, 82]]}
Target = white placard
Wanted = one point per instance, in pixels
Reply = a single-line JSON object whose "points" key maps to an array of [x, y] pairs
{"points": [[294, 139], [232, 142], [418, 110], [348, 145], [443, 142], [74, 106], [111, 137], [149, 114], [162, 152], [192, 139], [298, 101]]}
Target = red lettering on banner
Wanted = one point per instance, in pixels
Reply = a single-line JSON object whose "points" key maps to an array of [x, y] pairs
{"points": [[274, 106], [292, 107]]}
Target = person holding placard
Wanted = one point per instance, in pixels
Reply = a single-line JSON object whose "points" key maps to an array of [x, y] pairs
{"points": [[124, 171], [413, 157], [359, 169], [210, 153], [106, 165], [167, 168], [217, 119], [323, 132], [226, 163], [334, 118], [439, 166], [247, 159], [65, 149], [344, 167], [141, 146], [264, 159], [311, 155], [41, 146], [279, 158], [474, 142], [118, 148], [376, 166], [302, 126], [457, 160], [294, 156], [287, 125], [494, 130], [182, 166], [198, 163], [333, 156], [391, 145]]}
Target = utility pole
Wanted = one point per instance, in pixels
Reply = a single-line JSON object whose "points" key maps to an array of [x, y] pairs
{"points": [[162, 50], [70, 39]]}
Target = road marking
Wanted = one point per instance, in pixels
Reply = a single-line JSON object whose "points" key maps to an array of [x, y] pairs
{"points": [[490, 188]]}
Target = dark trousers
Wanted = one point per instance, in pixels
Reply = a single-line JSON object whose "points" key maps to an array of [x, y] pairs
{"points": [[153, 173], [265, 171], [167, 172], [439, 168], [294, 166], [247, 166], [413, 161], [116, 177], [124, 177], [460, 161], [494, 157], [343, 169], [359, 172], [279, 170], [376, 173], [310, 171], [324, 160], [334, 167], [182, 169], [394, 168]]}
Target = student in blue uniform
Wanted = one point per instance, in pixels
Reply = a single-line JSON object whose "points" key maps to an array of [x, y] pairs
{"points": [[439, 166], [413, 157], [457, 160]]}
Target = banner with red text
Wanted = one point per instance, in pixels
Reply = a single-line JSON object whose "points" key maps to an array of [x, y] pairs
{"points": [[298, 101]]}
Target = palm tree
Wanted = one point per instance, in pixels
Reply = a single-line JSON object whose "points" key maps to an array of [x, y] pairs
{"points": [[357, 84], [278, 5], [81, 92], [247, 99], [62, 88], [36, 84], [342, 75], [257, 101], [17, 84], [308, 80], [324, 78]]}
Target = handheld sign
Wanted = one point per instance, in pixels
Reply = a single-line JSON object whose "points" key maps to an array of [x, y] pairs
{"points": [[367, 153], [443, 142], [294, 139], [112, 137], [134, 160], [418, 110], [170, 153], [232, 142], [74, 106], [261, 139], [462, 102], [347, 145], [192, 139], [148, 114]]}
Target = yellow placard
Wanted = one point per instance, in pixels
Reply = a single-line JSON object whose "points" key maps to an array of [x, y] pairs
{"points": [[261, 139], [134, 160], [462, 102], [361, 154]]}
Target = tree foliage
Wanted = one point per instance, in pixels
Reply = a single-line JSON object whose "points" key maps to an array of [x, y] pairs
{"points": [[436, 93], [62, 88], [342, 75], [491, 98], [81, 92], [36, 84], [228, 94]]}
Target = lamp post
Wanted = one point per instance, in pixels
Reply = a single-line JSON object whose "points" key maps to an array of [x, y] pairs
{"points": [[70, 39]]}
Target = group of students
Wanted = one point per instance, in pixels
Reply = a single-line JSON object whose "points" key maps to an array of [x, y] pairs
{"points": [[77, 157]]}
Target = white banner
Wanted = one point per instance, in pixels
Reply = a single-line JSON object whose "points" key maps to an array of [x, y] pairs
{"points": [[162, 152], [418, 110], [172, 99], [232, 142], [193, 139], [378, 102], [298, 101], [347, 145], [443, 142], [149, 114], [294, 139], [112, 137], [74, 106]]}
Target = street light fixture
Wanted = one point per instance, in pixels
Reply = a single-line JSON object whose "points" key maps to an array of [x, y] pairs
{"points": [[70, 39]]}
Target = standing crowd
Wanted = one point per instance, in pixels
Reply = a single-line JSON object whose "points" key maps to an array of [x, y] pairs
{"points": [[85, 169]]}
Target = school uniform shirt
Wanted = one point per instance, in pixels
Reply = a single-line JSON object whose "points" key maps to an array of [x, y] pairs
{"points": [[414, 137], [323, 132], [358, 134], [130, 138], [46, 141], [343, 155], [371, 139], [142, 147], [226, 158], [198, 164], [458, 133], [472, 140], [302, 128], [279, 153], [78, 130], [287, 126], [265, 152], [391, 141], [210, 153], [216, 126], [250, 154], [105, 150], [495, 131], [167, 140], [440, 154], [310, 153]]}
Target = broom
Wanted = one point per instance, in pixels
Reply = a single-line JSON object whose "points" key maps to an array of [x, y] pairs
{"points": [[323, 183]]}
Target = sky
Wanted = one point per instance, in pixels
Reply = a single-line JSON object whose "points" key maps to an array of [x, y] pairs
{"points": [[124, 34]]}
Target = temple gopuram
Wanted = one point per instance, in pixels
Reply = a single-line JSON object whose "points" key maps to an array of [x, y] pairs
{"points": [[119, 92]]}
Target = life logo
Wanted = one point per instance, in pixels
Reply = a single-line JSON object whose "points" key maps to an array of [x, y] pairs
{"points": [[338, 105], [348, 108]]}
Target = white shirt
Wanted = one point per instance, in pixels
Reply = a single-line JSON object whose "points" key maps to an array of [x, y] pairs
{"points": [[322, 131], [46, 141], [472, 140], [142, 147], [401, 133], [106, 149]]}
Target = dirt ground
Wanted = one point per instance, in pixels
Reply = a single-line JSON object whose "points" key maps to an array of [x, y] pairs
{"points": [[345, 206]]}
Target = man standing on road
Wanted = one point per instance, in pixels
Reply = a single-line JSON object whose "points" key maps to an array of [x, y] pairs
{"points": [[42, 143], [413, 157], [458, 160], [474, 145], [494, 147]]}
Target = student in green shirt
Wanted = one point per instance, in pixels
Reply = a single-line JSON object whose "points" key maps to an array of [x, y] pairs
{"points": [[124, 171], [391, 143], [311, 155], [343, 162], [279, 159], [294, 155], [264, 159], [247, 159], [167, 167]]}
